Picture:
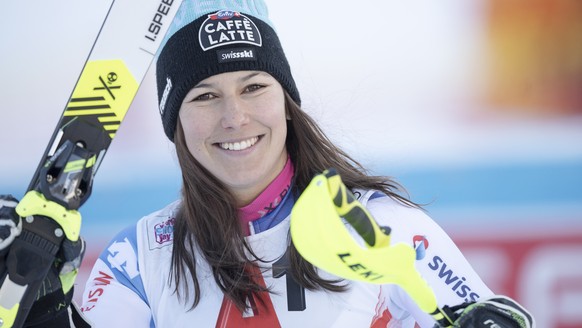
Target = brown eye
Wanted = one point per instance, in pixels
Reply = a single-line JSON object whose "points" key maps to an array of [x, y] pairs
{"points": [[254, 87], [202, 97]]}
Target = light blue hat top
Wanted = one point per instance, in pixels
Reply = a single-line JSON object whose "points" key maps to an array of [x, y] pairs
{"points": [[190, 10]]}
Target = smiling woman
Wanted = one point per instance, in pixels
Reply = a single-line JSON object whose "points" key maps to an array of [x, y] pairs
{"points": [[247, 152], [234, 124]]}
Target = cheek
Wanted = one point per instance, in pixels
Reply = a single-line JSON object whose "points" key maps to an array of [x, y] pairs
{"points": [[277, 123], [281, 119], [282, 128], [196, 129], [274, 114]]}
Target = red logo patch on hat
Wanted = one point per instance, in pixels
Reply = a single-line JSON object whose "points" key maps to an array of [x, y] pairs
{"points": [[226, 28], [224, 15]]}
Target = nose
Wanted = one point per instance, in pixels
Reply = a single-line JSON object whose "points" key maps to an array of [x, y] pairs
{"points": [[235, 113]]}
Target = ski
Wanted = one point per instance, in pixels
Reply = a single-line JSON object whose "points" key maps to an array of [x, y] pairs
{"points": [[124, 49]]}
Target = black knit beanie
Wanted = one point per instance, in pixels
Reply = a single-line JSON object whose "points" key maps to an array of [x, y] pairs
{"points": [[214, 42]]}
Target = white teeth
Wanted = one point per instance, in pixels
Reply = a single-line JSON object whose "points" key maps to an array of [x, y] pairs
{"points": [[240, 145]]}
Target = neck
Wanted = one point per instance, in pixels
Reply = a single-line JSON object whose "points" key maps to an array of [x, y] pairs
{"points": [[269, 199], [246, 194]]}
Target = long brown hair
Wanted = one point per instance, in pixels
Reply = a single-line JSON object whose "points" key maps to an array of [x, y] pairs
{"points": [[207, 220]]}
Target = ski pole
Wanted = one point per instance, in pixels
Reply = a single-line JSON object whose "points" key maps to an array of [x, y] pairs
{"points": [[323, 240]]}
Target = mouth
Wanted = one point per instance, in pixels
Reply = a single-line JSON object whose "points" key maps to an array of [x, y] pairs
{"points": [[239, 145]]}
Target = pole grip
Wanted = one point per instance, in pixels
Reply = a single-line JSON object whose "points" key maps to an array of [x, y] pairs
{"points": [[348, 207]]}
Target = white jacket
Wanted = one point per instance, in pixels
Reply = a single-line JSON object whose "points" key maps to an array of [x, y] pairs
{"points": [[128, 286]]}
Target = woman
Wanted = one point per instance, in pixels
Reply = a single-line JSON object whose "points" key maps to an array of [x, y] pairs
{"points": [[221, 255]]}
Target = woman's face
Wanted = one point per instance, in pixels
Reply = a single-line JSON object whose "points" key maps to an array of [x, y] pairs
{"points": [[235, 126]]}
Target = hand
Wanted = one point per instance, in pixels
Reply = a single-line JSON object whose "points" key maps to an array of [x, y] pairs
{"points": [[50, 308], [10, 223], [56, 292], [495, 312]]}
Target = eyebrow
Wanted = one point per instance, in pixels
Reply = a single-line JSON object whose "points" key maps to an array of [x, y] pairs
{"points": [[249, 76], [241, 79]]}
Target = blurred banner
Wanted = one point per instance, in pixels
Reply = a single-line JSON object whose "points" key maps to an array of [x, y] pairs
{"points": [[534, 56], [533, 70]]}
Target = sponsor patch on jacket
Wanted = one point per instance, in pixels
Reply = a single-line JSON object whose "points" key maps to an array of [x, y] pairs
{"points": [[160, 232]]}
